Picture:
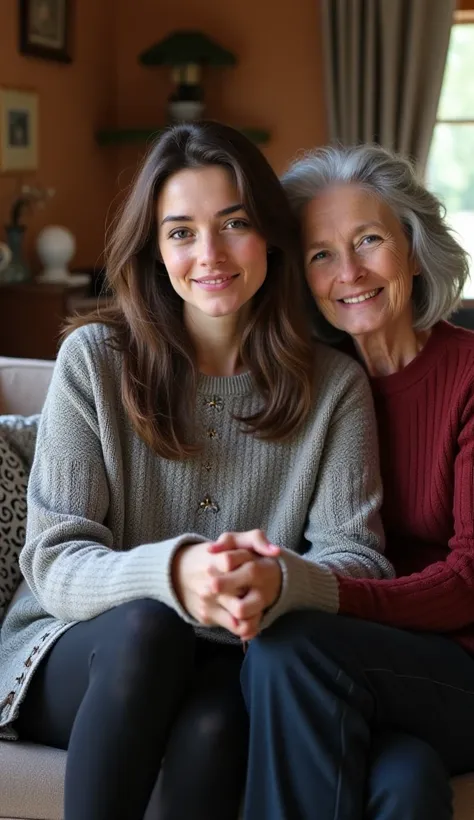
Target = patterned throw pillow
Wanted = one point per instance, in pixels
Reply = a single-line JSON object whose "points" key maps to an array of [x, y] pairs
{"points": [[13, 483], [20, 432]]}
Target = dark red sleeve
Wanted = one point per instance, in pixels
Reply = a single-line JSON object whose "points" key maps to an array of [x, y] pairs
{"points": [[441, 597]]}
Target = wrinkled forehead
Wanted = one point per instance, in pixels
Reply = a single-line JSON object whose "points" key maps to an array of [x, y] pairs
{"points": [[341, 210]]}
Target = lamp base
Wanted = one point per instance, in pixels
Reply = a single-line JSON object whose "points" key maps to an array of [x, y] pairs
{"points": [[185, 110]]}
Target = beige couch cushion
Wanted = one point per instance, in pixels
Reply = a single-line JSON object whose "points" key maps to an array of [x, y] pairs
{"points": [[23, 385], [31, 781]]}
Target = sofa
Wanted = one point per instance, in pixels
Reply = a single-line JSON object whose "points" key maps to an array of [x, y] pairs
{"points": [[32, 776]]}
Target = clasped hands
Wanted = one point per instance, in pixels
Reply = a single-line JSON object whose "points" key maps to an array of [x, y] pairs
{"points": [[229, 582]]}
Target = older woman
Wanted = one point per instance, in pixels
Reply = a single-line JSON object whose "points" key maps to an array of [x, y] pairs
{"points": [[339, 699]]}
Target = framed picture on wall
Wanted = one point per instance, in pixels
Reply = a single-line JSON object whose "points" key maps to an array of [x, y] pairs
{"points": [[45, 29], [18, 130]]}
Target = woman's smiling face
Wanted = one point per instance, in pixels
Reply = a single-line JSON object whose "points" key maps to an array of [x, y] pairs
{"points": [[215, 258], [358, 261]]}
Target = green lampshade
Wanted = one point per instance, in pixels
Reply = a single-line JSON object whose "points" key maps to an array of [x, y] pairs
{"points": [[185, 47]]}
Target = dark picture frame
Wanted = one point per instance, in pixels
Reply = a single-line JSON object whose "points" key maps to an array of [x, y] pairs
{"points": [[19, 129], [45, 29]]}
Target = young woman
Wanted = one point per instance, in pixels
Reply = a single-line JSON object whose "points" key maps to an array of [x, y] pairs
{"points": [[187, 430], [375, 707]]}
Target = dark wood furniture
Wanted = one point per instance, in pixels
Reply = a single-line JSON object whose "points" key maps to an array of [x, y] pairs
{"points": [[32, 316]]}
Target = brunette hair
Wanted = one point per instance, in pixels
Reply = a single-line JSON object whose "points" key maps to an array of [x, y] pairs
{"points": [[146, 317]]}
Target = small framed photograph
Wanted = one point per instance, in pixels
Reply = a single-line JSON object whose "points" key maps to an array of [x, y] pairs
{"points": [[18, 130], [45, 29]]}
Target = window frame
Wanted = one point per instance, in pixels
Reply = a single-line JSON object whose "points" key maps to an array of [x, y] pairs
{"points": [[461, 16]]}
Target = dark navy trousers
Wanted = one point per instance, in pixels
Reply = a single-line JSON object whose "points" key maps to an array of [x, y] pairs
{"points": [[350, 719]]}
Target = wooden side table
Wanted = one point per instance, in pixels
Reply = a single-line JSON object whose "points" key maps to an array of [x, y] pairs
{"points": [[32, 317]]}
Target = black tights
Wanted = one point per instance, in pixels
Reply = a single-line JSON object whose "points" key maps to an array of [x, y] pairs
{"points": [[127, 689]]}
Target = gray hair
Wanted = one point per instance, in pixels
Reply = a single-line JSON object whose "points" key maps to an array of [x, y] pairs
{"points": [[444, 264]]}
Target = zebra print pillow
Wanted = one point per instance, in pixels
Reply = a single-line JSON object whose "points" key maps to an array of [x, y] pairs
{"points": [[13, 483]]}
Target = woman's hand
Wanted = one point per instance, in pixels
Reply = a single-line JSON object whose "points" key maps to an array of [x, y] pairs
{"points": [[254, 540], [194, 572], [247, 590]]}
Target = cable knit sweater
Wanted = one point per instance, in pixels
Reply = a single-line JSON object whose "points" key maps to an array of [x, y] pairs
{"points": [[425, 415], [106, 514]]}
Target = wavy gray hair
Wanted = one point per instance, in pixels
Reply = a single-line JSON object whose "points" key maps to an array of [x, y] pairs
{"points": [[444, 265]]}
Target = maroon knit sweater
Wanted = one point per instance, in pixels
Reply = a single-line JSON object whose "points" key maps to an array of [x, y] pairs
{"points": [[426, 427]]}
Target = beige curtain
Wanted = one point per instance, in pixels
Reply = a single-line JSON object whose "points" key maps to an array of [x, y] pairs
{"points": [[384, 64]]}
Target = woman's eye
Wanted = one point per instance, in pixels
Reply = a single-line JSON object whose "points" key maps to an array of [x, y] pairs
{"points": [[237, 223], [369, 240], [180, 233], [320, 256]]}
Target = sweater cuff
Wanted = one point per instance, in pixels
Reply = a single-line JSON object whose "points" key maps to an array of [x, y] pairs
{"points": [[159, 558], [305, 585], [358, 597]]}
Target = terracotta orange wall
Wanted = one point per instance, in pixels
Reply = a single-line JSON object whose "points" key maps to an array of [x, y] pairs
{"points": [[277, 84], [73, 100]]}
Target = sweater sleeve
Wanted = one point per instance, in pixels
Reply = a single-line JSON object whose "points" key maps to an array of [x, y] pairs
{"points": [[69, 560], [343, 535], [441, 597]]}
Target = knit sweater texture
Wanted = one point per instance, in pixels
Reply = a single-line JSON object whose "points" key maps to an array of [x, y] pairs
{"points": [[425, 417], [106, 514]]}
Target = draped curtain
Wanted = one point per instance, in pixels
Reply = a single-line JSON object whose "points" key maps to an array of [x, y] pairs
{"points": [[384, 65]]}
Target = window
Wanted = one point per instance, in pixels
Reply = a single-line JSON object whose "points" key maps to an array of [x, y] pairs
{"points": [[450, 171]]}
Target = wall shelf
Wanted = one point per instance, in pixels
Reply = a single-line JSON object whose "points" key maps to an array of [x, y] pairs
{"points": [[130, 136]]}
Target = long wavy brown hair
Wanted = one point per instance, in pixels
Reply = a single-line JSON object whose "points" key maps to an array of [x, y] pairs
{"points": [[159, 376]]}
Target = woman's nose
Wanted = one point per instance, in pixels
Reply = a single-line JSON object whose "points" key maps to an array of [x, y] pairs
{"points": [[349, 269], [211, 251]]}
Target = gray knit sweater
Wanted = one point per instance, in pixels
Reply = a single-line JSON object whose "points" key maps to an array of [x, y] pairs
{"points": [[106, 515]]}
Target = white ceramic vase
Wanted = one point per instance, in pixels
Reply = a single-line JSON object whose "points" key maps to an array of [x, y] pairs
{"points": [[56, 247]]}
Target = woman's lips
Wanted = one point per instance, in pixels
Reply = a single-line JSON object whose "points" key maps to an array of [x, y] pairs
{"points": [[215, 283], [361, 298]]}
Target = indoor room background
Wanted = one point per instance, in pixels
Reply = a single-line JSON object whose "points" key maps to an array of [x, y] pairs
{"points": [[99, 90]]}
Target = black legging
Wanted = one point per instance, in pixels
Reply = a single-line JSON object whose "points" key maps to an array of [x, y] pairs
{"points": [[125, 690]]}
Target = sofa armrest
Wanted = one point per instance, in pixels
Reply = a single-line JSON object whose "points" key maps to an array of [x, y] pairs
{"points": [[23, 385]]}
